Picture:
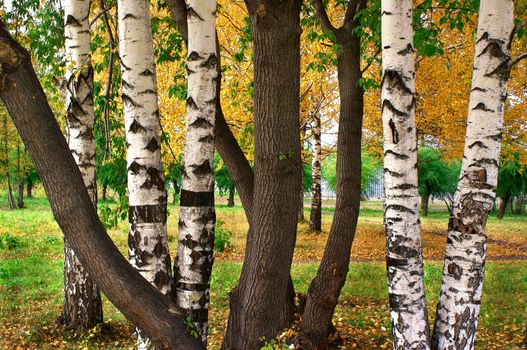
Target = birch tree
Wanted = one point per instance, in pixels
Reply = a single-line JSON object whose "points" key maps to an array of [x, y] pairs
{"points": [[82, 300], [408, 309], [147, 239], [464, 266], [197, 215], [315, 219]]}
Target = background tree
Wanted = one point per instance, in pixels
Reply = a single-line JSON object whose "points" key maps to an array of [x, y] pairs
{"points": [[223, 180], [512, 181]]}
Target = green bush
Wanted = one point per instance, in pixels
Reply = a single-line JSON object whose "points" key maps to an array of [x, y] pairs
{"points": [[222, 237]]}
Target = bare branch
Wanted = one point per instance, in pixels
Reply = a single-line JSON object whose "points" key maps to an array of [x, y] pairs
{"points": [[323, 16], [517, 59]]}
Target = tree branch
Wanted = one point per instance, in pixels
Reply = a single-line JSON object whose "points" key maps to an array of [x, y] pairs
{"points": [[323, 16], [517, 59], [178, 8]]}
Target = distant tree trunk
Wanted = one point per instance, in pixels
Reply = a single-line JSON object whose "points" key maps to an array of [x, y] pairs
{"points": [[230, 200], [404, 259], [264, 286], [20, 182], [324, 290], [518, 205], [464, 266], [504, 201], [425, 199], [104, 191], [301, 216], [315, 219], [10, 199], [147, 237], [82, 301], [193, 264], [176, 191], [29, 188]]}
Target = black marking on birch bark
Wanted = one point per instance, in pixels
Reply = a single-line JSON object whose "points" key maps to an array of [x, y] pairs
{"points": [[140, 214], [148, 92], [129, 15], [128, 100], [195, 287], [398, 207], [70, 20], [162, 278], [196, 199], [147, 73], [155, 179], [396, 155], [387, 13], [193, 15], [127, 85], [395, 78], [74, 46], [211, 62], [481, 106], [477, 88], [391, 107], [478, 144], [395, 133], [135, 127], [191, 104], [153, 145], [409, 49], [394, 219], [189, 71], [485, 161], [206, 139], [393, 262], [202, 169], [496, 137], [87, 134], [404, 186], [494, 49], [194, 56], [387, 47], [182, 224], [455, 271]]}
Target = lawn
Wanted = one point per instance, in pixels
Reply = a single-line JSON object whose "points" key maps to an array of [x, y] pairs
{"points": [[31, 279]]}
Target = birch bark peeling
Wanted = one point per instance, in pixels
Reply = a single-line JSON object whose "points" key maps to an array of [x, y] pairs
{"points": [[464, 266], [408, 309], [197, 215], [147, 238], [82, 300]]}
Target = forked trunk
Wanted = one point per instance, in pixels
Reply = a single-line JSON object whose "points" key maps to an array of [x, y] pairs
{"points": [[82, 301], [197, 216], [315, 220], [464, 266], [404, 260], [264, 289], [147, 237]]}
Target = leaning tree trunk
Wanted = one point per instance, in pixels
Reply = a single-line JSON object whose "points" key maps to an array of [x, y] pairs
{"points": [[139, 301], [404, 260], [82, 301], [147, 237], [461, 290], [503, 206], [193, 266], [315, 219], [324, 291], [230, 200], [257, 303]]}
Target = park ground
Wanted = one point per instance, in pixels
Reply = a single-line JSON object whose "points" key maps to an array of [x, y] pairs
{"points": [[31, 279]]}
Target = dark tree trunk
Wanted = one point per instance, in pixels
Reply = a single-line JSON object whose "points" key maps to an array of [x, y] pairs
{"points": [[424, 204], [10, 198], [140, 302], [325, 288], [264, 286], [20, 182], [29, 188], [104, 192], [230, 200], [518, 205], [315, 219], [504, 201]]}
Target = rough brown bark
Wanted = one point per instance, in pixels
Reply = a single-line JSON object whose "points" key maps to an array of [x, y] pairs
{"points": [[140, 302], [424, 204], [230, 200], [325, 288], [20, 182], [263, 288], [503, 206]]}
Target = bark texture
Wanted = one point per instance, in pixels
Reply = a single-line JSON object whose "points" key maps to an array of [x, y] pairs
{"points": [[460, 298], [324, 291], [140, 302], [10, 198], [404, 260], [315, 218], [257, 304], [197, 215], [82, 307], [503, 206], [147, 237]]}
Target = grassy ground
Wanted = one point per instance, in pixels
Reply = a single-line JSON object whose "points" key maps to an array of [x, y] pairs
{"points": [[31, 279]]}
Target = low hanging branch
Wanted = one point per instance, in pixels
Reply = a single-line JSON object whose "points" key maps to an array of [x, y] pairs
{"points": [[139, 301]]}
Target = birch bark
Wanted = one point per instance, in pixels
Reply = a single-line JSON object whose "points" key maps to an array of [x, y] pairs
{"points": [[315, 219], [408, 309], [147, 238], [464, 266], [82, 301], [197, 215]]}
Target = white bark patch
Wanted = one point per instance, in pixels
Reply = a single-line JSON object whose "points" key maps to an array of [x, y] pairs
{"points": [[197, 215], [147, 240], [463, 271], [408, 308]]}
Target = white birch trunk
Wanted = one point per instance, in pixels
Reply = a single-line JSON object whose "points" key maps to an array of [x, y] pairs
{"points": [[408, 309], [147, 239], [82, 300], [315, 220], [197, 215], [460, 298]]}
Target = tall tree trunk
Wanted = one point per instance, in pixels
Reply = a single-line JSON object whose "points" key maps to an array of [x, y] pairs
{"points": [[518, 204], [301, 217], [82, 301], [404, 259], [70, 202], [29, 188], [503, 206], [10, 199], [425, 199], [197, 216], [230, 200], [315, 219], [104, 191], [463, 271], [19, 180], [147, 237], [324, 291], [258, 301]]}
